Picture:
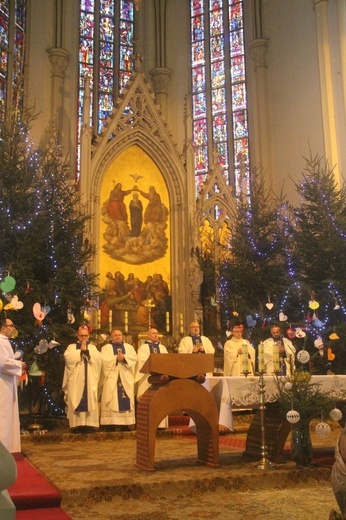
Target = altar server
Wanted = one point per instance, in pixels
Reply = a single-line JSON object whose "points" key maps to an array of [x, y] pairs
{"points": [[10, 371]]}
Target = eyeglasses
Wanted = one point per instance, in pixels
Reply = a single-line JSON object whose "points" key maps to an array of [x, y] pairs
{"points": [[11, 325]]}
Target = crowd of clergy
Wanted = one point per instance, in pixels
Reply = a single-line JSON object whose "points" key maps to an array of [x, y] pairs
{"points": [[101, 387]]}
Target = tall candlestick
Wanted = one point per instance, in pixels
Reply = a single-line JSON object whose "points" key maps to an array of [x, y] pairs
{"points": [[245, 358], [167, 321], [99, 318], [126, 322], [261, 357], [276, 359], [181, 323], [110, 319]]}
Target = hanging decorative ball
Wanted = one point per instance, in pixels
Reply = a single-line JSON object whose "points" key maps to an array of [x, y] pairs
{"points": [[336, 414], [288, 385], [323, 429], [293, 416], [303, 356]]}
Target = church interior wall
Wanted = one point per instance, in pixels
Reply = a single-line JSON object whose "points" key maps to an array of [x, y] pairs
{"points": [[294, 93], [294, 88], [38, 76], [293, 76], [178, 60]]}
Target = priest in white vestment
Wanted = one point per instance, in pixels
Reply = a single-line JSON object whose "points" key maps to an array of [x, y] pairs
{"points": [[83, 364], [195, 343], [235, 349], [10, 371], [283, 348], [118, 382], [150, 346]]}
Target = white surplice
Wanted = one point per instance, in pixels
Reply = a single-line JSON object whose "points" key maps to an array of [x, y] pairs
{"points": [[10, 371], [111, 371], [73, 385]]}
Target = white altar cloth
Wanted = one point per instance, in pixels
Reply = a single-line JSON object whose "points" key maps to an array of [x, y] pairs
{"points": [[231, 393]]}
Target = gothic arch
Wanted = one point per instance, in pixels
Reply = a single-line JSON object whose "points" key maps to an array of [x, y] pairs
{"points": [[137, 121]]}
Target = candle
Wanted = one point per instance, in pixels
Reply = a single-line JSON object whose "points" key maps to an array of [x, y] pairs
{"points": [[167, 321], [261, 357], [126, 322], [276, 357], [99, 318], [245, 357], [181, 323], [110, 319]]}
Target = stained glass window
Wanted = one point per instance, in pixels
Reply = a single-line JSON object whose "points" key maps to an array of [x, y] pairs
{"points": [[106, 39], [219, 98], [12, 38]]}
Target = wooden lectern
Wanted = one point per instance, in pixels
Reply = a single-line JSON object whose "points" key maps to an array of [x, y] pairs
{"points": [[174, 385]]}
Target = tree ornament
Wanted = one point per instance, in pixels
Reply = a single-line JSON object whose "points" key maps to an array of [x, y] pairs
{"points": [[323, 429], [303, 356], [269, 304], [334, 336], [292, 416], [42, 347], [14, 305], [300, 333], [70, 317], [330, 354], [38, 311], [53, 344], [335, 414], [288, 385], [8, 284], [250, 321], [291, 333]]}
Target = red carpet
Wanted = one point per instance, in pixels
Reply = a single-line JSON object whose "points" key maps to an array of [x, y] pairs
{"points": [[33, 495]]}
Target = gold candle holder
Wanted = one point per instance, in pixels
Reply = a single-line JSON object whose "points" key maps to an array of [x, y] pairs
{"points": [[264, 463]]}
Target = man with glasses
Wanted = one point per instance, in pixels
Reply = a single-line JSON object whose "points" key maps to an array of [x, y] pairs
{"points": [[10, 371], [195, 343], [83, 364]]}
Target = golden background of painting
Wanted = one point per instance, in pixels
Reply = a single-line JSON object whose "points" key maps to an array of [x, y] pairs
{"points": [[132, 161]]}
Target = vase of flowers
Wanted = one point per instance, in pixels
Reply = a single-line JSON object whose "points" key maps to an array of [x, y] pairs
{"points": [[300, 400]]}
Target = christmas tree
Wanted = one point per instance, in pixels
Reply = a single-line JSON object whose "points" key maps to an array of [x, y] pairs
{"points": [[253, 279], [43, 253], [318, 239]]}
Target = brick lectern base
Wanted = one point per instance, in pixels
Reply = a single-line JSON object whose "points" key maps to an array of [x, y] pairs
{"points": [[186, 394]]}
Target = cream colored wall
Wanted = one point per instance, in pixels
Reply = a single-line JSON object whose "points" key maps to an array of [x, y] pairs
{"points": [[295, 113], [294, 93]]}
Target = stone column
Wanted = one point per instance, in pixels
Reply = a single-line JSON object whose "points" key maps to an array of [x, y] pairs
{"points": [[326, 85], [341, 15], [261, 152], [59, 59], [160, 78]]}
